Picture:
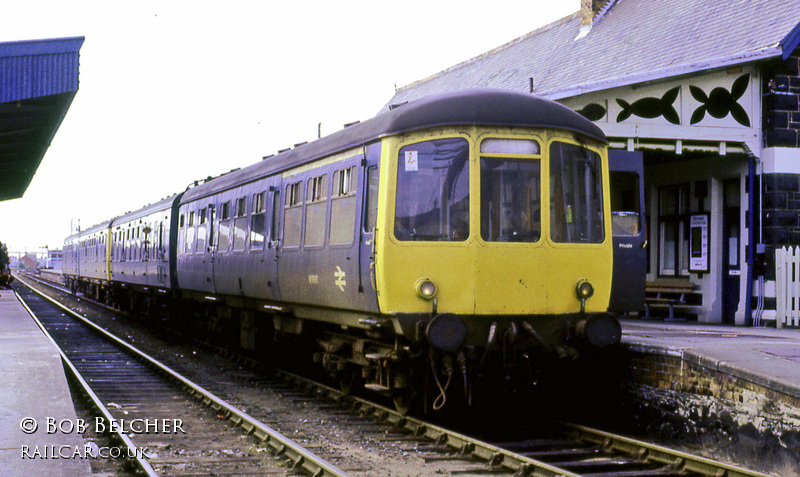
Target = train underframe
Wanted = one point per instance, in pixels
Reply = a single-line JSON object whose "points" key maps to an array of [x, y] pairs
{"points": [[423, 362]]}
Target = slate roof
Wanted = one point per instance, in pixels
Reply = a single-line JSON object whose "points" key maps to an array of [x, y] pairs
{"points": [[633, 41]]}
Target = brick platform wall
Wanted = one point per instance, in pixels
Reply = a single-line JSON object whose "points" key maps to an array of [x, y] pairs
{"points": [[696, 388]]}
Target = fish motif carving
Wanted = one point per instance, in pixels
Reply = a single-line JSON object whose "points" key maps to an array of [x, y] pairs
{"points": [[651, 108], [593, 112]]}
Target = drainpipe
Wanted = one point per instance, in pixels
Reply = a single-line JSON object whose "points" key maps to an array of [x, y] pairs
{"points": [[751, 235]]}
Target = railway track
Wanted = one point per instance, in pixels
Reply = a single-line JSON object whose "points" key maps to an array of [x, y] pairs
{"points": [[157, 415], [564, 450]]}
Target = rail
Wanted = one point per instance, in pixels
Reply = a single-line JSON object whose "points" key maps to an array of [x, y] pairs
{"points": [[301, 458], [665, 461]]}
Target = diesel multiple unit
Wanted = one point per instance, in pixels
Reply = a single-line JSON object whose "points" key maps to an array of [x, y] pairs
{"points": [[446, 241]]}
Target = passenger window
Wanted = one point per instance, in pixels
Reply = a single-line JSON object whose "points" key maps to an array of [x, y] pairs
{"points": [[201, 231], [224, 241], [240, 224], [258, 221], [292, 215], [190, 235], [343, 206], [316, 210]]}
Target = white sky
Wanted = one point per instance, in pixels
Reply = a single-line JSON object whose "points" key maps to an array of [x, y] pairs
{"points": [[173, 91]]}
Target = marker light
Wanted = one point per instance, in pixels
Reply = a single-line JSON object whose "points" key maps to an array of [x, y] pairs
{"points": [[584, 289], [426, 289]]}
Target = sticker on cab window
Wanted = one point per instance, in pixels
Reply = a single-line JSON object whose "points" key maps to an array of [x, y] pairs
{"points": [[412, 164]]}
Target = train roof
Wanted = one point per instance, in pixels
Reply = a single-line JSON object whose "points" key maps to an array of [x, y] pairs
{"points": [[88, 231], [483, 106], [161, 205]]}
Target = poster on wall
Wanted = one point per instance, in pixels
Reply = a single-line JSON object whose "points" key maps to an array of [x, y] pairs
{"points": [[698, 243]]}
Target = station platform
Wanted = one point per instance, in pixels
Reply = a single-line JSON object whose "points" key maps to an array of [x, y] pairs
{"points": [[34, 389], [757, 368]]}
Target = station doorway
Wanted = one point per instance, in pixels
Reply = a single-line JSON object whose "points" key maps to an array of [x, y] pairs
{"points": [[679, 189]]}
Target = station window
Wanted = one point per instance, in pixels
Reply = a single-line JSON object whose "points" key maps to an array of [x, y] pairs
{"points": [[258, 221], [292, 215], [673, 239], [240, 224], [316, 210], [343, 206], [224, 240]]}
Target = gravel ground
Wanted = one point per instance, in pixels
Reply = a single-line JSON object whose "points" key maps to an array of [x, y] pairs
{"points": [[345, 441]]}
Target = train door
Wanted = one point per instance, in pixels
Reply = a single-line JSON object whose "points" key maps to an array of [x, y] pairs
{"points": [[731, 266], [369, 220], [231, 254], [626, 173], [159, 253], [211, 247], [271, 253]]}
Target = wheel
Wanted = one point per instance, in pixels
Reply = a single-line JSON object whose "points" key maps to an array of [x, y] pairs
{"points": [[403, 401], [349, 380]]}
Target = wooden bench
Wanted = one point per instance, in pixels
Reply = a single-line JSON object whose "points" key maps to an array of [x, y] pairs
{"points": [[668, 293]]}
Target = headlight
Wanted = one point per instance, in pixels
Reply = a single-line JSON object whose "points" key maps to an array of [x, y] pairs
{"points": [[425, 288], [584, 289]]}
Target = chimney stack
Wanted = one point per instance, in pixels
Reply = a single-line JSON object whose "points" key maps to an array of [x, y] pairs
{"points": [[589, 10], [587, 13]]}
